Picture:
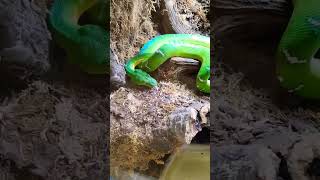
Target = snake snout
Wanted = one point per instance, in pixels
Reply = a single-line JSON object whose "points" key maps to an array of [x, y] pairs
{"points": [[143, 78], [151, 82]]}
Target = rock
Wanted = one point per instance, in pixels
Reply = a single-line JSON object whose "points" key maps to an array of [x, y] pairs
{"points": [[24, 37], [117, 72], [48, 132], [250, 162], [171, 21], [279, 141], [185, 123], [247, 33], [148, 124], [205, 115], [244, 137], [303, 160]]}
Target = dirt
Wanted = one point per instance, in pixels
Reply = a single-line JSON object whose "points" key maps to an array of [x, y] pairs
{"points": [[57, 129], [54, 127], [254, 134], [55, 132], [131, 26], [196, 13], [245, 117]]}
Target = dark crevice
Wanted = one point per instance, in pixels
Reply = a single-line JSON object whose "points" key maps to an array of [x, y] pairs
{"points": [[202, 137], [314, 168], [23, 173], [294, 129], [283, 168], [317, 55], [161, 19]]}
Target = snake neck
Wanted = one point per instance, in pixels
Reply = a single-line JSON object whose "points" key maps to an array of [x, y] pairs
{"points": [[65, 15]]}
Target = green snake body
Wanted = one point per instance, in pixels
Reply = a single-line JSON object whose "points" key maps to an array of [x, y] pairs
{"points": [[87, 45], [161, 48], [297, 68]]}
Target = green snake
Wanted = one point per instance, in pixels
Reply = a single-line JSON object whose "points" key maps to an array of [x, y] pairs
{"points": [[161, 48], [87, 46], [297, 68]]}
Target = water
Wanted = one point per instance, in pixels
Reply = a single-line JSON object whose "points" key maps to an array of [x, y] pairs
{"points": [[191, 162]]}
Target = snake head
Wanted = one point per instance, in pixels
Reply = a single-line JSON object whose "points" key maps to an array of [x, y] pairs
{"points": [[140, 77]]}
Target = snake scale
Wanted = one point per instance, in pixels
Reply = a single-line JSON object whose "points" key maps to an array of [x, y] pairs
{"points": [[298, 69], [161, 48], [87, 46]]}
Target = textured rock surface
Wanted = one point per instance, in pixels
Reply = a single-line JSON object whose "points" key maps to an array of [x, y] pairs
{"points": [[303, 160], [52, 132], [118, 74], [148, 124], [246, 34], [244, 163], [245, 117], [24, 36], [184, 17]]}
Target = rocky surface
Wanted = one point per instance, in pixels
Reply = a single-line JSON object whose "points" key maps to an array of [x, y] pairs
{"points": [[147, 124], [53, 132], [117, 72], [244, 163], [183, 17], [243, 117], [24, 46], [246, 34], [246, 118], [48, 130]]}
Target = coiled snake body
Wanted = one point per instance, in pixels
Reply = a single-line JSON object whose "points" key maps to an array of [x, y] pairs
{"points": [[87, 45], [161, 48], [297, 68]]}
